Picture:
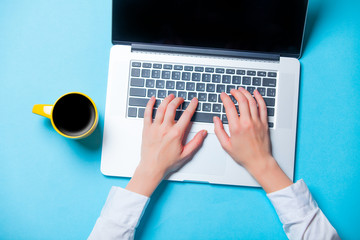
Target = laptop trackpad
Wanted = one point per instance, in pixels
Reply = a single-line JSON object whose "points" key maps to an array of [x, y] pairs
{"points": [[210, 159]]}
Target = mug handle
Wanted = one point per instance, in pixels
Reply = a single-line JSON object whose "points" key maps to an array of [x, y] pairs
{"points": [[43, 110]]}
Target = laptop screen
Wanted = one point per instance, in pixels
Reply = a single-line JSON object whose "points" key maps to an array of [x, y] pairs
{"points": [[271, 26]]}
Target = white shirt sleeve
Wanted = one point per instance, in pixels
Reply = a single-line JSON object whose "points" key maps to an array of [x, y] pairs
{"points": [[300, 215], [120, 215]]}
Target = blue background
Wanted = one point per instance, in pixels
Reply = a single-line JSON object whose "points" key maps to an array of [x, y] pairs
{"points": [[52, 187]]}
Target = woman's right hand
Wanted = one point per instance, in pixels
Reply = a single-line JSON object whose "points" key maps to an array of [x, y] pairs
{"points": [[249, 141]]}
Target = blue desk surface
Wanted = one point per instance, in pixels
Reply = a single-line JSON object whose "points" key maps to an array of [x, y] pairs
{"points": [[52, 187]]}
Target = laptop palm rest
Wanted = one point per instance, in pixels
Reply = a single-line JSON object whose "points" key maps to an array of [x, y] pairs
{"points": [[208, 160]]}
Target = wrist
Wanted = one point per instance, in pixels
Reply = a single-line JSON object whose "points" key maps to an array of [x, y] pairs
{"points": [[145, 180], [260, 166], [270, 176]]}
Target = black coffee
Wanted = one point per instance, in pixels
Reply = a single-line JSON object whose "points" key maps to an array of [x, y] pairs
{"points": [[74, 115]]}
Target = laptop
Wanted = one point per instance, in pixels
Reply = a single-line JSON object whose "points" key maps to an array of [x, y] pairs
{"points": [[199, 49]]}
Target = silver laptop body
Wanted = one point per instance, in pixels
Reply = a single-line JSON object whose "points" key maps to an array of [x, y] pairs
{"points": [[129, 84]]}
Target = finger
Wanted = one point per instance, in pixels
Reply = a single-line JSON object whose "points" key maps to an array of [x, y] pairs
{"points": [[262, 107], [252, 104], [171, 110], [230, 109], [162, 108], [194, 144], [220, 133], [187, 114], [148, 111], [243, 103]]}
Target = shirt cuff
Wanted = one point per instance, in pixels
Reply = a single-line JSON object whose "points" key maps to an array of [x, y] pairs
{"points": [[293, 203], [124, 207]]}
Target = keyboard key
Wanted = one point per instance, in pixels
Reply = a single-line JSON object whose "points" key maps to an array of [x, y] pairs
{"points": [[145, 73], [271, 92], [236, 80], [170, 84], [270, 112], [269, 102], [188, 68], [220, 70], [256, 81], [178, 115], [155, 73], [251, 73], [190, 86], [198, 108], [186, 76], [269, 82], [251, 90], [171, 92], [137, 82], [165, 74], [261, 91], [240, 72], [157, 65], [160, 83], [151, 92], [185, 105], [246, 81], [212, 97], [175, 75], [199, 69], [150, 83], [202, 97], [206, 107], [157, 103], [233, 99], [261, 74], [229, 87], [226, 79], [220, 88], [271, 125], [132, 112], [196, 77], [216, 78], [230, 71], [204, 117], [161, 93], [272, 74], [138, 92], [178, 67], [210, 87], [182, 94], [191, 95], [216, 107], [219, 99], [167, 66], [209, 70], [224, 119], [135, 72], [206, 77], [138, 102], [136, 64], [146, 65], [141, 112], [200, 87], [180, 85]]}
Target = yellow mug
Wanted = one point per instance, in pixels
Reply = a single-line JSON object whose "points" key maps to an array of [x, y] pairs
{"points": [[73, 115]]}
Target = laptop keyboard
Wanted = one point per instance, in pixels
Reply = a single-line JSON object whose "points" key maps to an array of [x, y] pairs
{"points": [[149, 79]]}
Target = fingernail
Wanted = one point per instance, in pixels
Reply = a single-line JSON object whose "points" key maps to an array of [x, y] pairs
{"points": [[204, 133]]}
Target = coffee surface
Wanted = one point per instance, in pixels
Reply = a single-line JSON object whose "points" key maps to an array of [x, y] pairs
{"points": [[74, 115]]}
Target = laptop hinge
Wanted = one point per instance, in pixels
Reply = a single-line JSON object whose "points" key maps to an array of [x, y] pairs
{"points": [[204, 51]]}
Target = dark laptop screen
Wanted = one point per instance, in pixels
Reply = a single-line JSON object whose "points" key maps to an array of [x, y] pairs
{"points": [[272, 26]]}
